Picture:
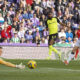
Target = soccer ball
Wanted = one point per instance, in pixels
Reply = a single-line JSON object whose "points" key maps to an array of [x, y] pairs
{"points": [[32, 64]]}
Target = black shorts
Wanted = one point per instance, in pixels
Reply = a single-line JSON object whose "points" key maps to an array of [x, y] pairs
{"points": [[53, 37]]}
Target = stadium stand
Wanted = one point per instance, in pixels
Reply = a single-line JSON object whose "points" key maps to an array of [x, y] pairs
{"points": [[23, 21]]}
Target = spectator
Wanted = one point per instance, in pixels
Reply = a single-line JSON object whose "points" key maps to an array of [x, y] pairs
{"points": [[16, 14], [29, 2], [15, 39], [8, 19], [5, 24], [74, 41], [69, 36], [0, 29], [21, 32], [43, 3], [3, 12], [1, 39], [11, 12], [62, 35], [22, 40], [69, 40], [15, 25], [5, 41], [38, 38], [12, 32], [1, 19], [45, 33], [44, 41], [35, 20], [31, 14], [29, 37], [16, 18], [49, 3], [23, 2], [25, 15], [54, 12], [43, 19], [40, 26], [5, 33]]}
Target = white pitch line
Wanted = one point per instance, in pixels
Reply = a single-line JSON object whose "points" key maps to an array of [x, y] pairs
{"points": [[62, 69]]}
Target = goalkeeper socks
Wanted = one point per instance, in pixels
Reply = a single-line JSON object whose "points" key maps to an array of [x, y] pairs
{"points": [[71, 56]]}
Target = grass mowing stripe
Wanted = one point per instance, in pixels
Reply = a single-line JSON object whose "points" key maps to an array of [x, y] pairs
{"points": [[46, 70], [41, 69]]}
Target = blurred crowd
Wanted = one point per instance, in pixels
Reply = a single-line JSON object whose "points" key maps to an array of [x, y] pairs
{"points": [[23, 21]]}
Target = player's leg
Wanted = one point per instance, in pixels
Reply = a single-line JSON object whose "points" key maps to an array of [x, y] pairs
{"points": [[77, 51], [51, 48], [72, 54], [54, 50]]}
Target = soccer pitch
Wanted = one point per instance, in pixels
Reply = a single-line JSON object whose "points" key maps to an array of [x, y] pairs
{"points": [[46, 70]]}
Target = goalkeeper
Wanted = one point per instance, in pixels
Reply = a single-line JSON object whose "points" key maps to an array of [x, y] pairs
{"points": [[52, 27], [20, 66]]}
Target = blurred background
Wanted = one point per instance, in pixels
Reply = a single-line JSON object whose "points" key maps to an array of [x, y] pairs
{"points": [[23, 21]]}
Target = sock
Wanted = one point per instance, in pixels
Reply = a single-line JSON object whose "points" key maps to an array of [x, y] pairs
{"points": [[77, 51], [70, 57], [50, 51], [7, 63], [54, 49]]}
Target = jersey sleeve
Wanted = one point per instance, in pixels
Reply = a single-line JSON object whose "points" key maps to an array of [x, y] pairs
{"points": [[58, 20]]}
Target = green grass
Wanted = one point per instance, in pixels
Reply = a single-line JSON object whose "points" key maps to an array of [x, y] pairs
{"points": [[46, 70]]}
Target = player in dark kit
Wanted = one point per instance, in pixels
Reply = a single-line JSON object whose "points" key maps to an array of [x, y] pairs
{"points": [[52, 26]]}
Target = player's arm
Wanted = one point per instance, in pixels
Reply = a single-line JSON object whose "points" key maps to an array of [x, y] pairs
{"points": [[9, 64], [20, 66], [61, 22]]}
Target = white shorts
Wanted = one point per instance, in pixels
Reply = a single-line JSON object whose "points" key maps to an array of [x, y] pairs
{"points": [[77, 43]]}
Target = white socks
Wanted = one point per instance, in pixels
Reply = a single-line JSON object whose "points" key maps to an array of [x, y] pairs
{"points": [[71, 56]]}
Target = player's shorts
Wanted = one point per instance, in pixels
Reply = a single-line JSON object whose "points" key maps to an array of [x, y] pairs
{"points": [[53, 37], [77, 43]]}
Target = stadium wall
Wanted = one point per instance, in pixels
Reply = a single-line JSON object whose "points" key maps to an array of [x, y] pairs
{"points": [[11, 52]]}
